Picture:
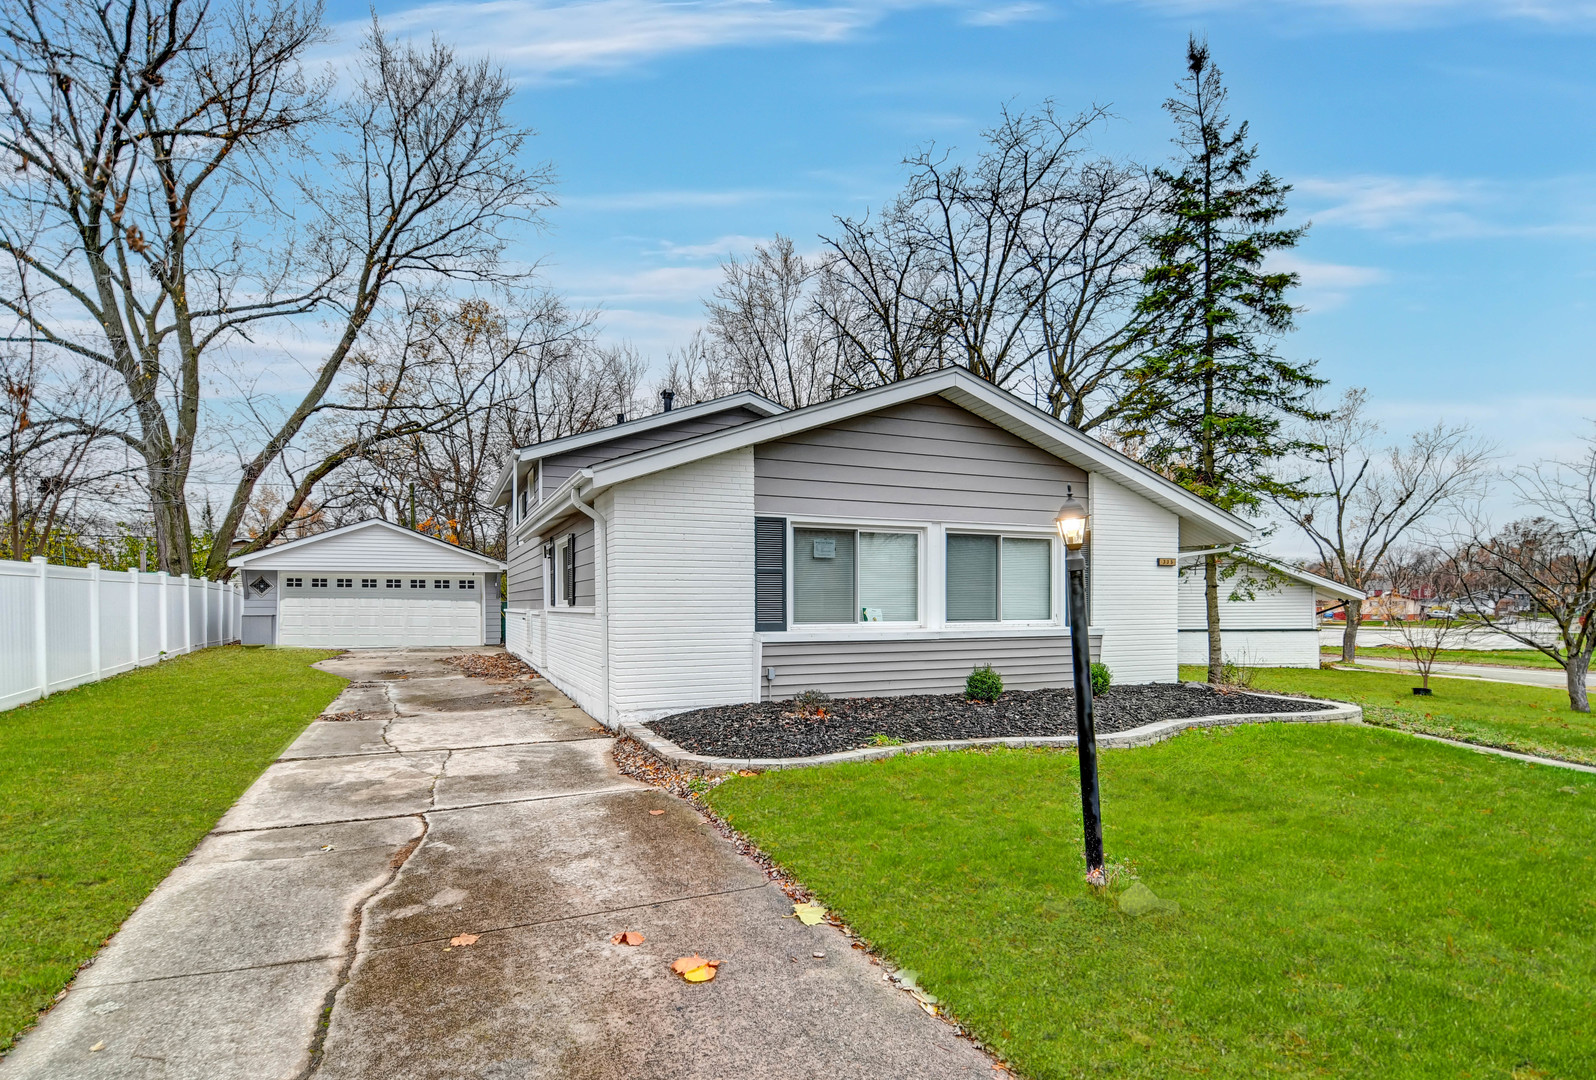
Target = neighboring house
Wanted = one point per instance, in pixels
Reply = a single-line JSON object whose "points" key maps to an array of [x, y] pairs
{"points": [[1277, 626], [368, 585], [883, 543], [1393, 605]]}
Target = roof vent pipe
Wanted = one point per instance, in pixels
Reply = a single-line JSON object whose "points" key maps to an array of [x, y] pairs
{"points": [[665, 399], [620, 418]]}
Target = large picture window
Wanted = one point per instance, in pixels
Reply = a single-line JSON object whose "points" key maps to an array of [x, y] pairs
{"points": [[853, 575], [999, 578]]}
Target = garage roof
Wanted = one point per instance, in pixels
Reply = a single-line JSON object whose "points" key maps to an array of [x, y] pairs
{"points": [[369, 545]]}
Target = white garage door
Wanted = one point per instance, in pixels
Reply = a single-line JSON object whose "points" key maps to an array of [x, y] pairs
{"points": [[354, 622]]}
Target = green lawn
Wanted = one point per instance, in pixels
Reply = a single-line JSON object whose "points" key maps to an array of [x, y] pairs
{"points": [[1530, 658], [1530, 719], [1354, 903], [103, 789]]}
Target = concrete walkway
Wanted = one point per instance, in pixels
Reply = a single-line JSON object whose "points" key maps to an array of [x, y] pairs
{"points": [[1551, 678], [309, 934]]}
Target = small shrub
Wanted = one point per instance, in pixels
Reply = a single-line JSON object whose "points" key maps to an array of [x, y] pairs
{"points": [[812, 702], [1102, 679], [1236, 676], [983, 684], [879, 739]]}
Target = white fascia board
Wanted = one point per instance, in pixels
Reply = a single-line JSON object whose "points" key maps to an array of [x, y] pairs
{"points": [[265, 555], [557, 505], [537, 451], [1323, 584], [963, 389]]}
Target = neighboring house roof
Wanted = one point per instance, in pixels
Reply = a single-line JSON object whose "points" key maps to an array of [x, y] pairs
{"points": [[955, 384], [372, 545], [538, 451], [1321, 584]]}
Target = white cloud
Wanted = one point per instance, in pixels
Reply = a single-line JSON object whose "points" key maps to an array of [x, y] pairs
{"points": [[1442, 208], [1404, 12], [1004, 14], [719, 248], [667, 284], [544, 38], [1325, 285]]}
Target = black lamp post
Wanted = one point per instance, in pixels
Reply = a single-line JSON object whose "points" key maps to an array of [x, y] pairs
{"points": [[1071, 522]]}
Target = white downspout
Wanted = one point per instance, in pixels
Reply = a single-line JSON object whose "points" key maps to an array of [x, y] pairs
{"points": [[601, 589]]}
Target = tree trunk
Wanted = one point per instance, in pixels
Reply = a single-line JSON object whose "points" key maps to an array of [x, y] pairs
{"points": [[1216, 661], [1349, 636], [1578, 696]]}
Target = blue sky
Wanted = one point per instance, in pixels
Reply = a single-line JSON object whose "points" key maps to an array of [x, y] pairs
{"points": [[1443, 151]]}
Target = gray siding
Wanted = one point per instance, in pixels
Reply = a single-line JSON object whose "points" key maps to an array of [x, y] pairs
{"points": [[524, 582], [558, 469], [857, 668], [925, 460]]}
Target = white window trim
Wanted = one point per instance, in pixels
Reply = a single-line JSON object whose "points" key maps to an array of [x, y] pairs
{"points": [[1056, 579], [919, 531], [555, 597], [933, 624]]}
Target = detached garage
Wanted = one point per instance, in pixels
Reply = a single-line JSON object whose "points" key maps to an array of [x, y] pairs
{"points": [[369, 585]]}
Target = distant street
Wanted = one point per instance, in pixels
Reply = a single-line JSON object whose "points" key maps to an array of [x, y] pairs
{"points": [[1548, 677]]}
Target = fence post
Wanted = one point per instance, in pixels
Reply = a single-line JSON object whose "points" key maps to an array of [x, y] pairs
{"points": [[162, 578], [41, 642], [133, 612], [94, 620]]}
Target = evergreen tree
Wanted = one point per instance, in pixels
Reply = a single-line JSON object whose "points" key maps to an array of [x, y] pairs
{"points": [[1211, 392]]}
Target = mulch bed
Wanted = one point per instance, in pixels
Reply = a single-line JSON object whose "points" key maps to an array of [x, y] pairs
{"points": [[778, 730]]}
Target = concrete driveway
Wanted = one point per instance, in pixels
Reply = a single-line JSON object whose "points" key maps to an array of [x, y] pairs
{"points": [[309, 934]]}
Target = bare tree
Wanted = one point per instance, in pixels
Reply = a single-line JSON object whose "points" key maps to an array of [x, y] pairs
{"points": [[765, 331], [145, 142], [1367, 496], [1425, 573], [1549, 557]]}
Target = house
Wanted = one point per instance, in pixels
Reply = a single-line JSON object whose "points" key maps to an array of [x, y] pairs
{"points": [[368, 585], [1395, 605], [1268, 617], [882, 543]]}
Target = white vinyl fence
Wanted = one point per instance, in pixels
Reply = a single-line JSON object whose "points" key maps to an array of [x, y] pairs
{"points": [[61, 626]]}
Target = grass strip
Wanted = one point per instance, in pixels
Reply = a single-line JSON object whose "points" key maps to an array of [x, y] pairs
{"points": [[1521, 658], [1353, 903], [105, 788], [1529, 719]]}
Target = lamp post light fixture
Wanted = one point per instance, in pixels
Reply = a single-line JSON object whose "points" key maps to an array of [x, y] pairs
{"points": [[1071, 522]]}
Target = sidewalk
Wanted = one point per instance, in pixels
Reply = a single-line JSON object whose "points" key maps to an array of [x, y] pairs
{"points": [[309, 934]]}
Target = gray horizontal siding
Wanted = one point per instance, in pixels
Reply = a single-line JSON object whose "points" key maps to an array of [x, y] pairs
{"points": [[524, 582], [922, 460], [930, 666], [558, 469], [491, 611]]}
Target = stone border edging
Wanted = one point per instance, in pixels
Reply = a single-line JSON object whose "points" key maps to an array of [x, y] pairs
{"points": [[1334, 712]]}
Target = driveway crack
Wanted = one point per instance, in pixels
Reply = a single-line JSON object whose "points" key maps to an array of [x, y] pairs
{"points": [[351, 950]]}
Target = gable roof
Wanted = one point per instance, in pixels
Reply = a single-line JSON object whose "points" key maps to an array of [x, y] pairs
{"points": [[1322, 584], [374, 533], [1020, 418], [746, 399]]}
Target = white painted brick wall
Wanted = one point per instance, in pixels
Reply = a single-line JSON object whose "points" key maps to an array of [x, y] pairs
{"points": [[1135, 601], [682, 588]]}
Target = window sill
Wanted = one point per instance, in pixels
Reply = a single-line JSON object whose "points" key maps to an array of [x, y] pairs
{"points": [[831, 634]]}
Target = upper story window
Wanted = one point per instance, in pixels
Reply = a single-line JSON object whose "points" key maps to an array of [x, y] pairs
{"points": [[995, 578], [855, 575]]}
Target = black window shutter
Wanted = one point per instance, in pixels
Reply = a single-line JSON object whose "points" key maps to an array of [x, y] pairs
{"points": [[770, 573], [570, 570]]}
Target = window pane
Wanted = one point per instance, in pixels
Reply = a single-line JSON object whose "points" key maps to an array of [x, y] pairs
{"points": [[889, 577], [972, 578], [822, 576], [1027, 579]]}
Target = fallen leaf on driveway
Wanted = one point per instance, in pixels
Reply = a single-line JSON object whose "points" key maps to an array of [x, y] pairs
{"points": [[695, 968], [628, 937], [97, 1047], [464, 939], [809, 914], [655, 813]]}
